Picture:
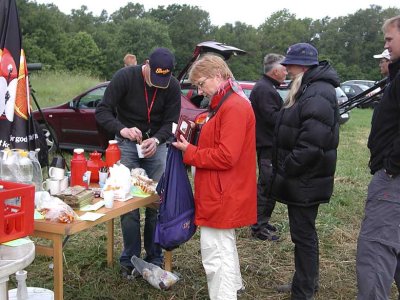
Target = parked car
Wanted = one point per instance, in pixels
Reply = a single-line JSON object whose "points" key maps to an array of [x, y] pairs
{"points": [[368, 83], [73, 124], [353, 89]]}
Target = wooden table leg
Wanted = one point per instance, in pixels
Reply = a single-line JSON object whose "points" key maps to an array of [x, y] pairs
{"points": [[58, 267], [110, 242], [168, 261]]}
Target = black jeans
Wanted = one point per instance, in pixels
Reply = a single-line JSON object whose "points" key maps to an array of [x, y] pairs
{"points": [[306, 251], [265, 203]]}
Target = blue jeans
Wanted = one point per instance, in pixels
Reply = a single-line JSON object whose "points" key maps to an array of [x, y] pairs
{"points": [[130, 222]]}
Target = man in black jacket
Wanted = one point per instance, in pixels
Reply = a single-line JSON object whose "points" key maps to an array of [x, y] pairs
{"points": [[266, 103], [378, 248], [139, 106]]}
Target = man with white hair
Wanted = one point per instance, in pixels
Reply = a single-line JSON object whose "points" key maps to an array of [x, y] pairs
{"points": [[266, 103]]}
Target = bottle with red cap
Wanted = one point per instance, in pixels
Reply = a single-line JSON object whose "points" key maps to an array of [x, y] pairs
{"points": [[93, 165], [113, 153], [78, 167]]}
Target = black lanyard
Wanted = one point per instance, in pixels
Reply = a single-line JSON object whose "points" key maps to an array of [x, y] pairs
{"points": [[149, 108]]}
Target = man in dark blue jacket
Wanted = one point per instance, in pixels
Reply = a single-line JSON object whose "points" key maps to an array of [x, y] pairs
{"points": [[378, 248], [266, 103]]}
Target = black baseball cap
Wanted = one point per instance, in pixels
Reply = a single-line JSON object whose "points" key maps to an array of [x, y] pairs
{"points": [[161, 62]]}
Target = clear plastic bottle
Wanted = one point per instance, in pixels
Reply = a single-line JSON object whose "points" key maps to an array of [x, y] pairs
{"points": [[25, 174], [9, 162], [37, 169]]}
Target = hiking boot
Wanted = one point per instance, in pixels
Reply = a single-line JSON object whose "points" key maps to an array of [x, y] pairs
{"points": [[128, 272], [271, 227], [264, 234]]}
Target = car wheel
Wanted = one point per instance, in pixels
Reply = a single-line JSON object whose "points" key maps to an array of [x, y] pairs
{"points": [[51, 139]]}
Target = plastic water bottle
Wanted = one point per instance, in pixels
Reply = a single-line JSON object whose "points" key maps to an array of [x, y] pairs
{"points": [[25, 174]]}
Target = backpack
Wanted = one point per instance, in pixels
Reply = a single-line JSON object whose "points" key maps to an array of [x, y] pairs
{"points": [[175, 222]]}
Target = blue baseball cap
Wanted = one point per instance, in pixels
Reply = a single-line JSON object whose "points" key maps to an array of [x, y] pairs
{"points": [[301, 54], [161, 62]]}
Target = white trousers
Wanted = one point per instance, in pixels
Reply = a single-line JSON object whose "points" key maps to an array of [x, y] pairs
{"points": [[221, 262]]}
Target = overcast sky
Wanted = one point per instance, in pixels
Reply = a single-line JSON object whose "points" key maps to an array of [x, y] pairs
{"points": [[251, 12]]}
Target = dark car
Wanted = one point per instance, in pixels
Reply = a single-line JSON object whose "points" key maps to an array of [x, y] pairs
{"points": [[73, 125], [353, 89]]}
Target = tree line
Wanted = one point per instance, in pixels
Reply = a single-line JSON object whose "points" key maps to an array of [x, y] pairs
{"points": [[85, 43]]}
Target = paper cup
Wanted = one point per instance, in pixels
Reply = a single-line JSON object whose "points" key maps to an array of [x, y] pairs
{"points": [[139, 151], [103, 177], [108, 197]]}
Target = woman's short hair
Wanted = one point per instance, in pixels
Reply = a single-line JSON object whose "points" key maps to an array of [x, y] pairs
{"points": [[209, 65]]}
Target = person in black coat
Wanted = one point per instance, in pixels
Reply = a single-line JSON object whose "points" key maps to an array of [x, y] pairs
{"points": [[266, 103], [378, 245], [304, 158]]}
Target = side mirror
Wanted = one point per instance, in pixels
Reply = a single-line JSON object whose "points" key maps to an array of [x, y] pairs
{"points": [[72, 105]]}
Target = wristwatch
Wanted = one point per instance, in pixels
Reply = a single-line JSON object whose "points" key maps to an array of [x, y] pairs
{"points": [[388, 173], [157, 141]]}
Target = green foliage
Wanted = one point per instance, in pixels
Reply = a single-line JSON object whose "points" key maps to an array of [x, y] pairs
{"points": [[348, 42], [83, 53], [187, 26]]}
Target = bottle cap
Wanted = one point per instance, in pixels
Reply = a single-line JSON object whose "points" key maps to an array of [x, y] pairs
{"points": [[111, 142], [78, 150]]}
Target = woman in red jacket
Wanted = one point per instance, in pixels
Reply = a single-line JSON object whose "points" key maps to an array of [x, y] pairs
{"points": [[225, 180]]}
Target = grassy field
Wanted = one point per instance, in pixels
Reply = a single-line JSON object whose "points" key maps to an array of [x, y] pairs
{"points": [[263, 264], [56, 87]]}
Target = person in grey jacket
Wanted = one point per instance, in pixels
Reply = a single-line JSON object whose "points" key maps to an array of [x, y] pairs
{"points": [[304, 158]]}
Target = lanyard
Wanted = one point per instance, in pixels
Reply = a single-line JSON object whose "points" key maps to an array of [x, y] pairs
{"points": [[147, 100]]}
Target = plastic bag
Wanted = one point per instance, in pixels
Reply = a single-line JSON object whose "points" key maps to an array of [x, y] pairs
{"points": [[119, 181], [141, 181], [157, 277], [53, 208]]}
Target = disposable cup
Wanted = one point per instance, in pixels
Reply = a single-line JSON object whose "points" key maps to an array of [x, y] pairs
{"points": [[139, 151], [108, 197], [103, 177]]}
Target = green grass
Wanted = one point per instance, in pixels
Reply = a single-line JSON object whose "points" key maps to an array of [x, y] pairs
{"points": [[56, 87], [263, 264]]}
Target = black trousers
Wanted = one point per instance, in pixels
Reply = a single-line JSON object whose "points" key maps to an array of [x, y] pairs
{"points": [[265, 203], [306, 251]]}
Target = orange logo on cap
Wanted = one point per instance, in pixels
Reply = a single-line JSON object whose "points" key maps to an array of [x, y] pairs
{"points": [[162, 71]]}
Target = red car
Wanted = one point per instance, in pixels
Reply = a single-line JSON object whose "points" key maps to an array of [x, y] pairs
{"points": [[73, 125]]}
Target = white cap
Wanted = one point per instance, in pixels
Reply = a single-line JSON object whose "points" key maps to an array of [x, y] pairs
{"points": [[384, 54]]}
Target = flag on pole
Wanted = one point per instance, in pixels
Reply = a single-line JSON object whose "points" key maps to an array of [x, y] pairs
{"points": [[17, 128]]}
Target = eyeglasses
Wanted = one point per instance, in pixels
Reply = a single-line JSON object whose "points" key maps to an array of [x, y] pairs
{"points": [[200, 84]]}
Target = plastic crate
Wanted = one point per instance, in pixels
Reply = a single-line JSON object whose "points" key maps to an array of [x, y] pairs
{"points": [[16, 210]]}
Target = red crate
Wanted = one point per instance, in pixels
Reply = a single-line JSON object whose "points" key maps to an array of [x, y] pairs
{"points": [[16, 220]]}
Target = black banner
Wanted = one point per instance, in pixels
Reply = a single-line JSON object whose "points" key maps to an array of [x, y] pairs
{"points": [[17, 130]]}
